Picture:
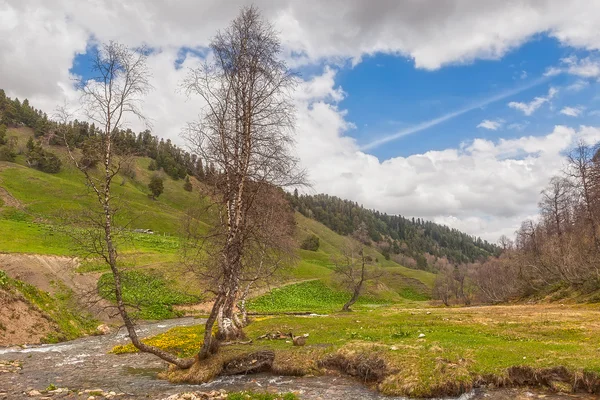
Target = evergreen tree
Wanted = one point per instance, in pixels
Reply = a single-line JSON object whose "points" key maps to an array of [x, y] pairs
{"points": [[156, 186]]}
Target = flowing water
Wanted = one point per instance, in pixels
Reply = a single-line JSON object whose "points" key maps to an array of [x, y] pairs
{"points": [[86, 364]]}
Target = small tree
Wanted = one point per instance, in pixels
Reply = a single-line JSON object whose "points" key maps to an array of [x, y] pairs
{"points": [[121, 81], [354, 269], [156, 186], [187, 185]]}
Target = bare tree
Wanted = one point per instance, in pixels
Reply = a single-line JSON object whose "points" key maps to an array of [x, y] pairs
{"points": [[115, 93], [354, 269], [444, 285], [585, 174], [245, 132]]}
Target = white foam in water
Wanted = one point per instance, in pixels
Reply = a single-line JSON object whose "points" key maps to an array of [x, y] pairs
{"points": [[38, 349]]}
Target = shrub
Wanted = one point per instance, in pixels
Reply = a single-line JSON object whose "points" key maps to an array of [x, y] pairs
{"points": [[311, 243], [187, 185], [41, 159]]}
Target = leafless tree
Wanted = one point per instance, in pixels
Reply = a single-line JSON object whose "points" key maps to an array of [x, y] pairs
{"points": [[245, 132], [586, 176], [444, 285], [121, 81], [354, 269]]}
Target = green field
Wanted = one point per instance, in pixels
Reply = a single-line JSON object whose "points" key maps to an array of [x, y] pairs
{"points": [[460, 346]]}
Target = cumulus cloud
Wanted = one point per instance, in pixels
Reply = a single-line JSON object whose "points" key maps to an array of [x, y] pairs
{"points": [[572, 111], [533, 105], [491, 125]]}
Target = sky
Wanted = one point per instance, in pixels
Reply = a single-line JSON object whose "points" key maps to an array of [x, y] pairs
{"points": [[456, 111]]}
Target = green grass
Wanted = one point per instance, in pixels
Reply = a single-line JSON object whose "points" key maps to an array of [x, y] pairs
{"points": [[311, 296], [152, 295], [460, 345]]}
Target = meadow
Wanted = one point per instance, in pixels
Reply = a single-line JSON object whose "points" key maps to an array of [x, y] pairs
{"points": [[422, 352]]}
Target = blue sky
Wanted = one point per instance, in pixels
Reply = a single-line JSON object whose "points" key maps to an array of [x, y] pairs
{"points": [[387, 94]]}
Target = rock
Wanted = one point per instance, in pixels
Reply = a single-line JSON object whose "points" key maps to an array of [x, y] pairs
{"points": [[421, 335], [428, 312], [393, 348], [34, 393], [103, 329], [91, 398]]}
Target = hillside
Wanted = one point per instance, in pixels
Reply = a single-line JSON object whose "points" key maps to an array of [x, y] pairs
{"points": [[415, 241], [34, 217]]}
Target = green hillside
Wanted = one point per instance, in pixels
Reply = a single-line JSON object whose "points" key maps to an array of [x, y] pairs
{"points": [[34, 210]]}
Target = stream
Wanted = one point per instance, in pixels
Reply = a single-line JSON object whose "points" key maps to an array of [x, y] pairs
{"points": [[86, 364]]}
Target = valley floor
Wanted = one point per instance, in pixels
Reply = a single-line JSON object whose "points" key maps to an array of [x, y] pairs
{"points": [[86, 364]]}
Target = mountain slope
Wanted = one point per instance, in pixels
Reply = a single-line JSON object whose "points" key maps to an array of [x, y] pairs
{"points": [[33, 205]]}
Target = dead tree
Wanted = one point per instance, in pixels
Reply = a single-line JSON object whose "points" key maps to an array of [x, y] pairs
{"points": [[354, 269], [245, 132], [107, 100]]}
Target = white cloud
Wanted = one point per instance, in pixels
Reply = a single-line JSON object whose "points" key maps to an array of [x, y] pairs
{"points": [[484, 187], [572, 111], [491, 125], [577, 85], [586, 68], [533, 105], [518, 126]]}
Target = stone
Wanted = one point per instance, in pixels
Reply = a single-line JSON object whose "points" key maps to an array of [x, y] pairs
{"points": [[422, 335], [103, 329], [34, 393]]}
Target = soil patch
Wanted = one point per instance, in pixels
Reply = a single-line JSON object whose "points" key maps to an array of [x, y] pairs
{"points": [[9, 200], [52, 273], [20, 322]]}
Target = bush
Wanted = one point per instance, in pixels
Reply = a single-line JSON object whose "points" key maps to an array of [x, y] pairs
{"points": [[6, 154], [187, 185], [311, 243], [41, 159]]}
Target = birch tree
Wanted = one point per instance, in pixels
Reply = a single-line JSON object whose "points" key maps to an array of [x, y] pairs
{"points": [[114, 94], [245, 132]]}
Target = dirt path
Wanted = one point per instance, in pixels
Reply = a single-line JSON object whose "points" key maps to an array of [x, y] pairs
{"points": [[8, 199]]}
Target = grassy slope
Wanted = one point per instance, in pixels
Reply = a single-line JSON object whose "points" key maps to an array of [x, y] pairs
{"points": [[44, 199]]}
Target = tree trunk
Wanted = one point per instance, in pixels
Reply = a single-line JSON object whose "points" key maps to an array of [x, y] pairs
{"points": [[350, 302]]}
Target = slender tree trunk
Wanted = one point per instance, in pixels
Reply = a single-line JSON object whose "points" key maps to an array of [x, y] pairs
{"points": [[353, 299]]}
